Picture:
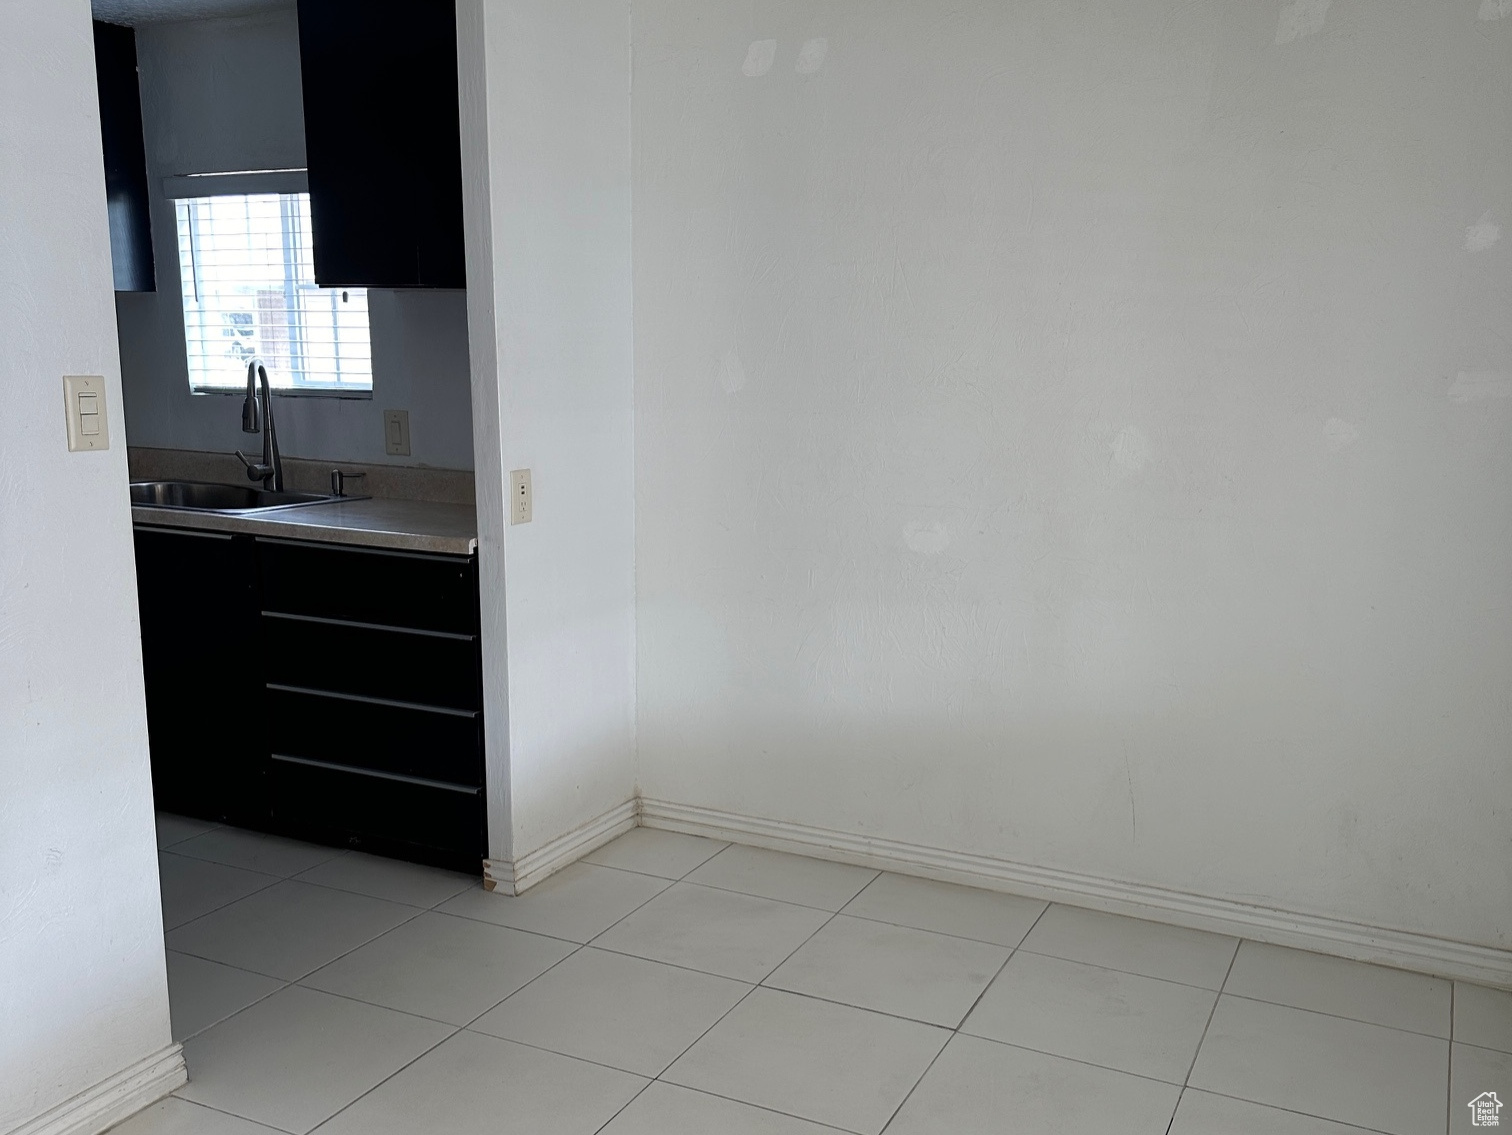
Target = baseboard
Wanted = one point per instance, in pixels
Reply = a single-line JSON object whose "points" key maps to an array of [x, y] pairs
{"points": [[111, 1101], [1402, 949], [513, 877]]}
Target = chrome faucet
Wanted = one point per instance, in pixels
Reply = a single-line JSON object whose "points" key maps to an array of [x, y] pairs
{"points": [[270, 470]]}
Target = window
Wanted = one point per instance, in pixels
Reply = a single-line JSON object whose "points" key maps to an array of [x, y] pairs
{"points": [[249, 290]]}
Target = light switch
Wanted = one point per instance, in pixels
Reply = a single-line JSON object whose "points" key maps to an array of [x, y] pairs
{"points": [[396, 441], [84, 410], [519, 496]]}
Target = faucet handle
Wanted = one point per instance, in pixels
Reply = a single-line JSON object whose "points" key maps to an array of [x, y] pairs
{"points": [[255, 472]]}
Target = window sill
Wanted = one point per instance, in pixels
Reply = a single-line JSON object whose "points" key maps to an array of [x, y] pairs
{"points": [[351, 395]]}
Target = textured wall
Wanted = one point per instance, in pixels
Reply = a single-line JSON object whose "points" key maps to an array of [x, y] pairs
{"points": [[546, 121], [82, 988], [1078, 432], [225, 94]]}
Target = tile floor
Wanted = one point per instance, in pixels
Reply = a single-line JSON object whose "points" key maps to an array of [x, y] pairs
{"points": [[670, 985]]}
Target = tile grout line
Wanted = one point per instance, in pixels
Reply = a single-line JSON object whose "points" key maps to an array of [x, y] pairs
{"points": [[658, 1077], [581, 946], [1321, 1013], [747, 1103], [1090, 1064], [649, 874], [408, 1063], [285, 983], [577, 947], [620, 1110], [1130, 972], [274, 880], [336, 853], [1449, 1069], [1004, 966], [455, 1029], [198, 1032], [1213, 1012], [757, 985], [956, 1031], [1196, 1052], [749, 894], [298, 982], [1349, 1127], [217, 1110]]}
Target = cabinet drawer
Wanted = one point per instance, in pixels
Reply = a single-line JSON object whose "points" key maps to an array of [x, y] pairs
{"points": [[363, 809], [415, 669], [380, 738], [396, 589]]}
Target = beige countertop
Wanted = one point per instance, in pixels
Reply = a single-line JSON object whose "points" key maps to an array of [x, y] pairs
{"points": [[405, 525]]}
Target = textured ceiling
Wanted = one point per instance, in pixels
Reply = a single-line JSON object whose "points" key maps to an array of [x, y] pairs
{"points": [[158, 11]]}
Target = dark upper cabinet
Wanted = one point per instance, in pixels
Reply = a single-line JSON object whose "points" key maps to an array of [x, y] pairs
{"points": [[125, 158], [382, 142]]}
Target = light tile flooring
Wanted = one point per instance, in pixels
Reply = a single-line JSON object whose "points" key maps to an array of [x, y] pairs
{"points": [[670, 985]]}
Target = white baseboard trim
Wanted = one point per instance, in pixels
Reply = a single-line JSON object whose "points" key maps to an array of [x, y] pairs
{"points": [[1402, 949], [109, 1102], [517, 876]]}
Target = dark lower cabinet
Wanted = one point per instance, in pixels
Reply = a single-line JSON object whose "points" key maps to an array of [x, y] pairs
{"points": [[361, 733], [322, 692], [420, 821], [200, 655]]}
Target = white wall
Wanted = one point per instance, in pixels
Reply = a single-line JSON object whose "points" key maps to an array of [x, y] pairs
{"points": [[546, 99], [1078, 433], [225, 94], [82, 987]]}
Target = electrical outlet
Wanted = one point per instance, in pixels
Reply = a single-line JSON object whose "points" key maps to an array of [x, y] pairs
{"points": [[519, 496], [396, 433], [84, 407]]}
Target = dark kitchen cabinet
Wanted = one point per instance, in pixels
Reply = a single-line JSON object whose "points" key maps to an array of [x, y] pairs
{"points": [[375, 699], [197, 593], [125, 158], [319, 691], [382, 142]]}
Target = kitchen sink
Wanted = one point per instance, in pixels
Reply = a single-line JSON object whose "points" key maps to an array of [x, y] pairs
{"points": [[202, 496]]}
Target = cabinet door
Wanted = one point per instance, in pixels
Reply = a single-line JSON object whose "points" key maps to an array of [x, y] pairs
{"points": [[125, 158], [201, 662], [374, 695], [382, 142]]}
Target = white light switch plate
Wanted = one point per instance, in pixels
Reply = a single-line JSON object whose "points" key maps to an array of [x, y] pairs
{"points": [[396, 441], [519, 496], [84, 407]]}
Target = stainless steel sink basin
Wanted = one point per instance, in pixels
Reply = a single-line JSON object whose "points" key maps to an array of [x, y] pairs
{"points": [[202, 496]]}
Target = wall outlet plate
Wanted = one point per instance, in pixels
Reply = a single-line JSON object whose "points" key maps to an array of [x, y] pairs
{"points": [[519, 496], [84, 409], [396, 441]]}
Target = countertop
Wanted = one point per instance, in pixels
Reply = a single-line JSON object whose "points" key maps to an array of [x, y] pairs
{"points": [[404, 525]]}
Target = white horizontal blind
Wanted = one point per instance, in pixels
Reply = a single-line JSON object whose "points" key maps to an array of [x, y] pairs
{"points": [[249, 289]]}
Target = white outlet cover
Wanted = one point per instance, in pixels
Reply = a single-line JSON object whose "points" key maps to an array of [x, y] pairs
{"points": [[520, 504]]}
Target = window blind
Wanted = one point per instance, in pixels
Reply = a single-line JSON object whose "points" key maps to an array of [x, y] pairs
{"points": [[249, 290]]}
